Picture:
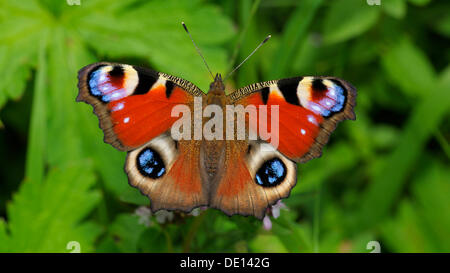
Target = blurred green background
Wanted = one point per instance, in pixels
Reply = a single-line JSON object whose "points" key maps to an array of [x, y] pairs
{"points": [[384, 177]]}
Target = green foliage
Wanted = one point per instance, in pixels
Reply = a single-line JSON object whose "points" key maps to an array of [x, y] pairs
{"points": [[403, 62], [384, 177], [348, 18], [417, 216], [45, 216], [395, 8], [120, 238]]}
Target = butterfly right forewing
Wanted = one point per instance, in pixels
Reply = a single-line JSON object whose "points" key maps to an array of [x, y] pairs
{"points": [[309, 110]]}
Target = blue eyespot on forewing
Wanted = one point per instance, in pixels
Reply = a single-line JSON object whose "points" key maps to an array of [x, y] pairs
{"points": [[112, 82], [324, 97]]}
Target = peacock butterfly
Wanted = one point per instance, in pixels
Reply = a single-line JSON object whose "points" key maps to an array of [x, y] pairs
{"points": [[237, 176]]}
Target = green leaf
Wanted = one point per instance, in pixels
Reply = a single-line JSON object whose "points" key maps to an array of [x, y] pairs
{"points": [[442, 25], [432, 192], [419, 2], [267, 243], [389, 181], [395, 8], [404, 233], [249, 72], [64, 124], [422, 226], [35, 163], [295, 238], [44, 217], [126, 231], [163, 41], [15, 67], [363, 51], [294, 33], [339, 158], [4, 240], [21, 27], [346, 19], [408, 67]]}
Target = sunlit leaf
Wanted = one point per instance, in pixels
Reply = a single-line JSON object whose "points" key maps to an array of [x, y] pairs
{"points": [[409, 68], [348, 18], [163, 40], [422, 226], [395, 8], [38, 128], [45, 217], [390, 179]]}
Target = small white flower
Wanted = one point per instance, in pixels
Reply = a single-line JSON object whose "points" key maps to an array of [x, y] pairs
{"points": [[195, 212], [275, 211], [198, 211], [267, 224], [144, 214], [163, 216]]}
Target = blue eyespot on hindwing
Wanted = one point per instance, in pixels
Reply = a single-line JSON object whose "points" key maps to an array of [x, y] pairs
{"points": [[150, 163], [271, 173]]}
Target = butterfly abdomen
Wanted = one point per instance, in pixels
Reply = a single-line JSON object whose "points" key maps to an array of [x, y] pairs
{"points": [[213, 157]]}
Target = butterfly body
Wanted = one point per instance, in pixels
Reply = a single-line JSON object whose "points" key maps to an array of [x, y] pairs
{"points": [[215, 163]]}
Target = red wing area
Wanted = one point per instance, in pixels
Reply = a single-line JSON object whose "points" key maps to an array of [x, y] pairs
{"points": [[237, 174], [186, 170], [182, 189], [137, 119], [233, 194], [298, 127]]}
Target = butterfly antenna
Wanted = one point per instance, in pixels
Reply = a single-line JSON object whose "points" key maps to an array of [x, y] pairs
{"points": [[198, 50], [253, 52]]}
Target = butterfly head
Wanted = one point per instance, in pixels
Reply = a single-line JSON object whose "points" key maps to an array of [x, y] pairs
{"points": [[217, 87]]}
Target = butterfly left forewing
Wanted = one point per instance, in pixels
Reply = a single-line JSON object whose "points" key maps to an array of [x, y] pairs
{"points": [[133, 104]]}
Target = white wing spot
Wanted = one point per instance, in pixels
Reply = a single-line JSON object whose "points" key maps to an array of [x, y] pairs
{"points": [[312, 119], [118, 107]]}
